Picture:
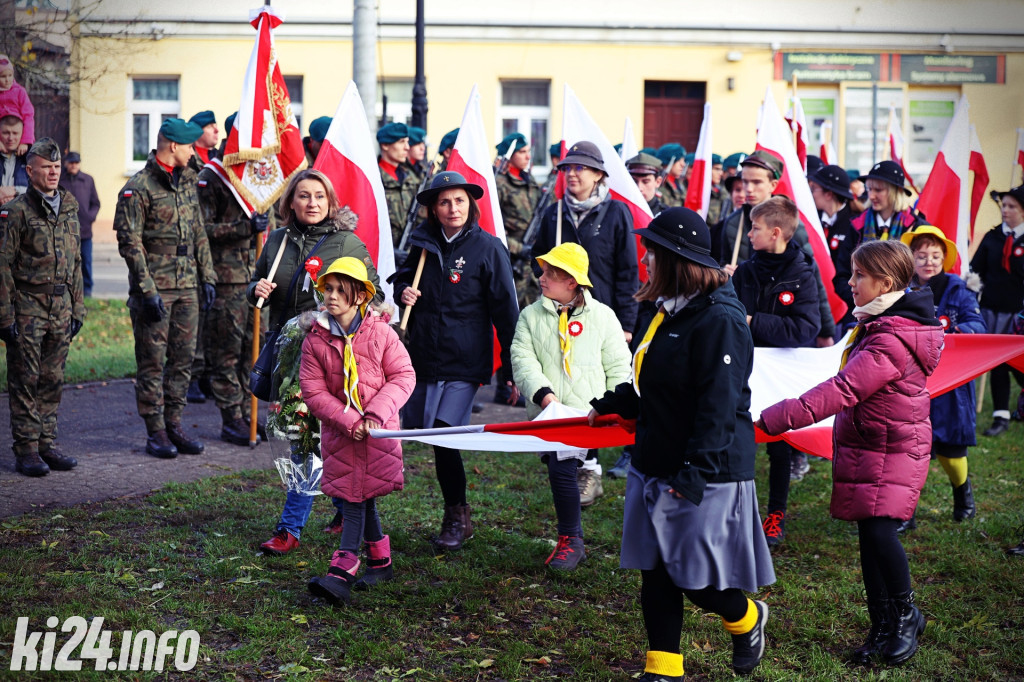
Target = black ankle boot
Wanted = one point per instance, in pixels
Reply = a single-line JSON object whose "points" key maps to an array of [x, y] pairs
{"points": [[880, 612], [963, 502], [184, 444], [909, 524], [908, 625]]}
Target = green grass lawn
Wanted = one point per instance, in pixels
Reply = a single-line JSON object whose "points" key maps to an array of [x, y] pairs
{"points": [[185, 558]]}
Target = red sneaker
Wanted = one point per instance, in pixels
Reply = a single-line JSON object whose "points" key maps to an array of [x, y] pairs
{"points": [[336, 525], [282, 543], [568, 553], [774, 527]]}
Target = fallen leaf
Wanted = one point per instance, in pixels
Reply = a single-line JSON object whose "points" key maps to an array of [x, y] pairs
{"points": [[543, 660], [153, 588], [486, 663], [299, 619]]}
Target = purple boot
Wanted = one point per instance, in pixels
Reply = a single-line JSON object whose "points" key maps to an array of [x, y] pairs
{"points": [[378, 564]]}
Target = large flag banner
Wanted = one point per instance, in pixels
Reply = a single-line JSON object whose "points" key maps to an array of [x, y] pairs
{"points": [[773, 135], [977, 166], [264, 148], [897, 146], [629, 148], [797, 121], [698, 192], [1018, 153], [471, 156], [944, 200], [348, 159], [826, 151]]}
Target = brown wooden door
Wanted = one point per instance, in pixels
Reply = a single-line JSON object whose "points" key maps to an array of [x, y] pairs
{"points": [[673, 112]]}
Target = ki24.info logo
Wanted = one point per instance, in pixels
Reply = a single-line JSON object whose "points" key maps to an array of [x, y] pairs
{"points": [[142, 650]]}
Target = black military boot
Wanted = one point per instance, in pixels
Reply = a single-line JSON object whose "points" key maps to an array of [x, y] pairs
{"points": [[236, 432], [195, 394], [56, 459], [963, 502], [908, 625], [160, 446], [880, 612], [185, 445], [30, 464]]}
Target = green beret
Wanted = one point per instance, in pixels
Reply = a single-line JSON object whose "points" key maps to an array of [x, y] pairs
{"points": [[649, 150], [618, 148], [203, 118], [448, 141], [229, 123], [555, 150], [503, 146], [689, 158], [177, 130], [392, 132], [644, 164], [45, 149], [318, 128], [417, 135], [716, 159], [667, 152], [733, 160]]}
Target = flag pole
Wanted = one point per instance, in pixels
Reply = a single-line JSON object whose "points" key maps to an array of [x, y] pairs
{"points": [[792, 127], [1016, 153], [415, 285]]}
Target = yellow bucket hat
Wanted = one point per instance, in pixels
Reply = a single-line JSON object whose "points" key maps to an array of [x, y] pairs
{"points": [[951, 252], [353, 267], [572, 258]]}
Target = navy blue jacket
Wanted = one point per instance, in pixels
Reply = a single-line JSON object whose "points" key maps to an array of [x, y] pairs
{"points": [[780, 294], [842, 241], [467, 287], [1004, 289]]}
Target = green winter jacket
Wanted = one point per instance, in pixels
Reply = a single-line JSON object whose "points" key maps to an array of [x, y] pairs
{"points": [[599, 361]]}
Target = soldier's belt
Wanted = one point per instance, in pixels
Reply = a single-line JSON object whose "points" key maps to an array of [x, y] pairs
{"points": [[168, 250], [51, 289]]}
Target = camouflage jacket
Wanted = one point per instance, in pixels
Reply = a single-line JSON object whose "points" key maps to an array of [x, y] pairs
{"points": [[517, 197], [399, 194], [153, 218], [673, 196], [38, 248], [228, 229], [715, 206]]}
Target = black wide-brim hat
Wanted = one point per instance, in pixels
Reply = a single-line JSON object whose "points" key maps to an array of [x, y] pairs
{"points": [[730, 181], [835, 180], [888, 171], [1015, 192], [444, 181], [683, 232]]}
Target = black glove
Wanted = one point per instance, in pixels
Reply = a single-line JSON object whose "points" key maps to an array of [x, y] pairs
{"points": [[209, 294], [259, 222], [153, 308], [76, 326], [9, 334]]}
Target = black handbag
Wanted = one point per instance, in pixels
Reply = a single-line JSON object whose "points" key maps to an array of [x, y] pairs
{"points": [[261, 376]]}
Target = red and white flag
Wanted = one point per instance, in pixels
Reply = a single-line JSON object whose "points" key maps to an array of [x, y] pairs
{"points": [[264, 148], [798, 122], [897, 146], [980, 183], [348, 159], [826, 151], [1018, 154], [471, 156], [629, 148], [944, 200], [773, 136], [698, 192]]}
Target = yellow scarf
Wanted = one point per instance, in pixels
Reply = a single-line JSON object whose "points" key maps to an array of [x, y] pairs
{"points": [[351, 376], [850, 344], [563, 339], [641, 350]]}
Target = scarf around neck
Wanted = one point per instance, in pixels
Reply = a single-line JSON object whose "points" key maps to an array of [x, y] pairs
{"points": [[877, 306]]}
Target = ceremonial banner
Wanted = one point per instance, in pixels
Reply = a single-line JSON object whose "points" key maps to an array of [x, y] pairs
{"points": [[264, 148], [897, 146], [826, 152], [629, 148], [980, 183], [798, 122], [1018, 154], [698, 192], [349, 160]]}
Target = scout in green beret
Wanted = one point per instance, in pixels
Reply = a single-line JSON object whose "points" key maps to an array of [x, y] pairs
{"points": [[206, 145]]}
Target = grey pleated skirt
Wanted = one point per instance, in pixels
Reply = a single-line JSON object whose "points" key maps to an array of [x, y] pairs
{"points": [[719, 543], [448, 401]]}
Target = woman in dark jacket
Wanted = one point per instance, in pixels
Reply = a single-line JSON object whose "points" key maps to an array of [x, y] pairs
{"points": [[464, 294], [690, 522], [313, 218]]}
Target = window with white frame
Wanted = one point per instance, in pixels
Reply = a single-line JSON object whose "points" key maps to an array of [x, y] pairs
{"points": [[526, 108], [152, 100], [399, 94]]}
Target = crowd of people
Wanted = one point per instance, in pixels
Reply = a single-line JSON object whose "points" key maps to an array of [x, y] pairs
{"points": [[575, 323]]}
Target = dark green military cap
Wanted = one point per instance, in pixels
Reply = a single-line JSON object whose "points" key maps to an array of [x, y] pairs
{"points": [[229, 123], [733, 160], [448, 141], [318, 128], [716, 159], [203, 118], [45, 148], [649, 150], [392, 132], [555, 150], [177, 130], [765, 160], [518, 138], [689, 158], [417, 135], [644, 164], [670, 151]]}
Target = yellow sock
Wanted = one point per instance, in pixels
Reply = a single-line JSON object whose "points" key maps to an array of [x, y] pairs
{"points": [[664, 663], [956, 469], [744, 624]]}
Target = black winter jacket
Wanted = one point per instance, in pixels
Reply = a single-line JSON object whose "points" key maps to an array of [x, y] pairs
{"points": [[607, 235], [693, 412], [843, 239], [466, 288], [1004, 290], [781, 296]]}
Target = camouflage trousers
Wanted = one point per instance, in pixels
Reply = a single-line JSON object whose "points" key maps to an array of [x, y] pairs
{"points": [[200, 361], [228, 341], [163, 353], [35, 371]]}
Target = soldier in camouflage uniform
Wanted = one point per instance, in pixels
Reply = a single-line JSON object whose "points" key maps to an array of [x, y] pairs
{"points": [[161, 237], [518, 194], [673, 188], [400, 186], [42, 306], [717, 195], [229, 323], [446, 147]]}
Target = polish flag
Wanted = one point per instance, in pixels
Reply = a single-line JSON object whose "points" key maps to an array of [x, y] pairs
{"points": [[471, 156], [826, 151], [777, 374], [980, 182], [773, 136], [1018, 154], [577, 125], [348, 159], [698, 192], [264, 148], [798, 122], [896, 146], [629, 148], [944, 201]]}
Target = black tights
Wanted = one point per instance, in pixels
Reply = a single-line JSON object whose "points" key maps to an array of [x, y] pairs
{"points": [[1000, 377], [451, 474], [882, 559], [361, 523], [779, 454], [565, 492], [662, 605]]}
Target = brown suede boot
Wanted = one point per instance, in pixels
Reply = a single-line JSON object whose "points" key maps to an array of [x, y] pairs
{"points": [[456, 527]]}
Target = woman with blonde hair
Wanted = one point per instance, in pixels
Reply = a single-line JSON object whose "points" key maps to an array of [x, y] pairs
{"points": [[890, 214]]}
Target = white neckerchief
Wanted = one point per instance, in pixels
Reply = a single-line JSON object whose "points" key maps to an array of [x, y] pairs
{"points": [[830, 220], [1015, 231], [877, 306], [453, 237], [674, 305], [879, 223]]}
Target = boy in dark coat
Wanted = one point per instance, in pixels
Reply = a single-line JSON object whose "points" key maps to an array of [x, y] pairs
{"points": [[777, 287]]}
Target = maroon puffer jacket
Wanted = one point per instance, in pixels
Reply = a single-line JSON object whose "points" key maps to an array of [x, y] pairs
{"points": [[882, 435]]}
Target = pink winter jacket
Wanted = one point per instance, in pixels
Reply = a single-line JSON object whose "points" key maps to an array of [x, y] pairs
{"points": [[882, 436], [357, 470]]}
